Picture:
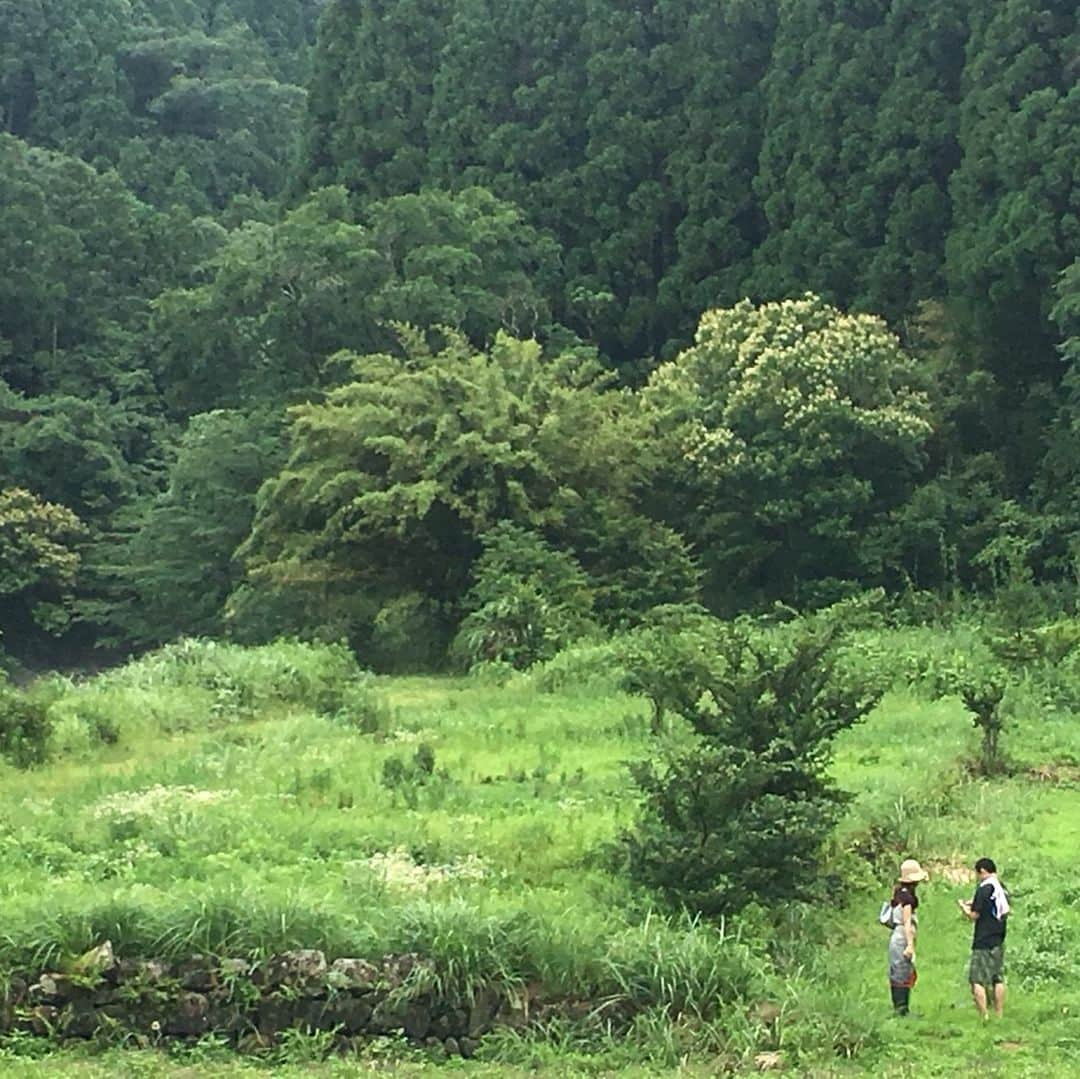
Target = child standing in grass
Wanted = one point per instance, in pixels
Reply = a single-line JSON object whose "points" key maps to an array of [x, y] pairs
{"points": [[902, 973]]}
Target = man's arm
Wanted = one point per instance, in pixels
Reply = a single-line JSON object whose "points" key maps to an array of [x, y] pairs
{"points": [[972, 910], [967, 910]]}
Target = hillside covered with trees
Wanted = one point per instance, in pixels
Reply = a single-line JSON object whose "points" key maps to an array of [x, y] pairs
{"points": [[431, 326], [518, 520]]}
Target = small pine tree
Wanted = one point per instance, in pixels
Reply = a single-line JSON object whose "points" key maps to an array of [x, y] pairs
{"points": [[741, 813]]}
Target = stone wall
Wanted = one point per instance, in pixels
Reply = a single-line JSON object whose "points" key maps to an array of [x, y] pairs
{"points": [[146, 1002]]}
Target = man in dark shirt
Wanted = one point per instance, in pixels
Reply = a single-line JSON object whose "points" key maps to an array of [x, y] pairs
{"points": [[989, 910]]}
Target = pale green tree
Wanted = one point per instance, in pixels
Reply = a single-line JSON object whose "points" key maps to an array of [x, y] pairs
{"points": [[39, 562], [792, 426]]}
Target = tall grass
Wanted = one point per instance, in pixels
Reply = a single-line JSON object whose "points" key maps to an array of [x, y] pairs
{"points": [[241, 811]]}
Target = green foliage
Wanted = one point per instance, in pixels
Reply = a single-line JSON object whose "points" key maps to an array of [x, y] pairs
{"points": [[527, 601], [160, 88], [176, 569], [280, 299], [741, 813], [80, 265], [25, 727], [39, 564], [795, 427], [1013, 230], [409, 633], [248, 838], [394, 478], [859, 121], [197, 685], [633, 562], [1042, 955], [670, 659], [981, 683]]}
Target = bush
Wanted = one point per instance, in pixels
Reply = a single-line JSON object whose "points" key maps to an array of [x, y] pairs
{"points": [[742, 813], [363, 708], [408, 634], [527, 602], [1043, 953], [670, 659], [587, 665], [241, 679], [25, 727]]}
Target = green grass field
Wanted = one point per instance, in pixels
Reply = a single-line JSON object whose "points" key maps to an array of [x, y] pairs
{"points": [[251, 827]]}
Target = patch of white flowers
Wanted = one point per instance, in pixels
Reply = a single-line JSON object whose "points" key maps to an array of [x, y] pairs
{"points": [[397, 869], [156, 800]]}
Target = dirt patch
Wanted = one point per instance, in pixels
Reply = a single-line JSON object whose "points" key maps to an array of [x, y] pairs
{"points": [[952, 872], [1057, 774]]}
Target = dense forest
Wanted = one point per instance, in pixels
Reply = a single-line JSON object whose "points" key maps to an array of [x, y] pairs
{"points": [[461, 330]]}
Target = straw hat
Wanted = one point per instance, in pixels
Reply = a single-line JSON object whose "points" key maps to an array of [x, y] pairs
{"points": [[911, 872]]}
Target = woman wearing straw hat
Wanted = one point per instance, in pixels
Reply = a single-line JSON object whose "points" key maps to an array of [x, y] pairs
{"points": [[904, 903]]}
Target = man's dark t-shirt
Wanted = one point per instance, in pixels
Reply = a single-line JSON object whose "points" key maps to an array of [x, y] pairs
{"points": [[989, 931]]}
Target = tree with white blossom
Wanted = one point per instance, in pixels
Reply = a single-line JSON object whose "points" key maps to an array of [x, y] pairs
{"points": [[796, 427]]}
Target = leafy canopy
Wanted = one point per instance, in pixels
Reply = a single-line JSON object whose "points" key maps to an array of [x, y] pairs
{"points": [[393, 479], [796, 425]]}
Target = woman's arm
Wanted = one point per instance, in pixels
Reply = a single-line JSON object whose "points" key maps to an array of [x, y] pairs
{"points": [[909, 931]]}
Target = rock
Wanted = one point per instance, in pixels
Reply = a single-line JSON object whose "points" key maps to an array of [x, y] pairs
{"points": [[230, 969], [398, 968], [226, 1019], [303, 970], [98, 962], [78, 1021], [436, 1050], [441, 1027], [60, 989], [16, 989], [354, 974], [42, 1020], [141, 972], [254, 1041], [417, 1021], [197, 974], [351, 1014], [103, 996], [118, 1014], [484, 1008], [387, 1017], [189, 1016], [45, 990], [276, 1013], [459, 1022]]}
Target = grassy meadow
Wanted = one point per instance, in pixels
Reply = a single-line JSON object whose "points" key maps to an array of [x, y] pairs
{"points": [[241, 802]]}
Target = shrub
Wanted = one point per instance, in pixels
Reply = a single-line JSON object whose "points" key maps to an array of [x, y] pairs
{"points": [[408, 634], [981, 683], [670, 658], [1042, 954], [527, 602], [25, 727], [742, 813], [589, 665], [362, 707]]}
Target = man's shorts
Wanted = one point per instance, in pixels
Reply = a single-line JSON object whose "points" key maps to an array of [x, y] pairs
{"points": [[987, 966]]}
